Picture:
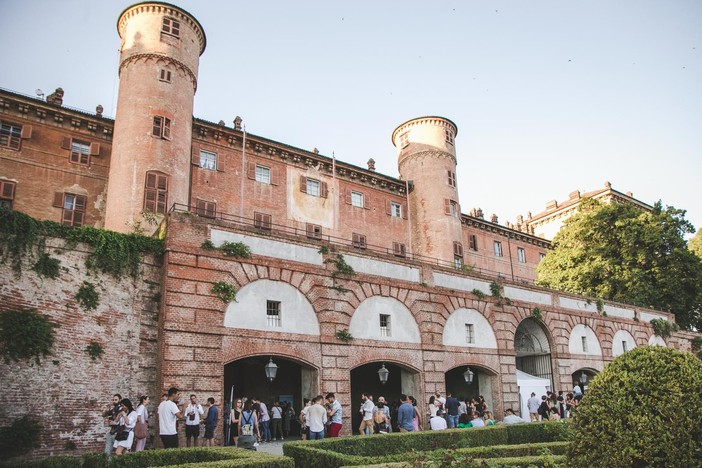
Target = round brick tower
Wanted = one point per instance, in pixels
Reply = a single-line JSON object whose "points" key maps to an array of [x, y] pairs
{"points": [[150, 165], [427, 159]]}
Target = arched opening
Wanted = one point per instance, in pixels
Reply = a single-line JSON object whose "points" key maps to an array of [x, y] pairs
{"points": [[482, 384], [365, 379], [294, 381], [582, 378], [532, 349]]}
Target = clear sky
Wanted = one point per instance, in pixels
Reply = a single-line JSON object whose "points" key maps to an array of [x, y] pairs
{"points": [[549, 96]]}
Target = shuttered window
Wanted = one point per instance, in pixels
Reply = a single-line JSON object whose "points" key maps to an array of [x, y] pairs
{"points": [[171, 27], [156, 192], [313, 187], [161, 127], [473, 242], [72, 208], [262, 221], [314, 231], [206, 209], [358, 241], [7, 194], [11, 135], [398, 249]]}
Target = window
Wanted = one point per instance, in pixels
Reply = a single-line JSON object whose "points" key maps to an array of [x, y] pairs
{"points": [[384, 325], [73, 207], [398, 249], [161, 127], [206, 209], [458, 254], [273, 313], [314, 231], [521, 255], [263, 174], [208, 160], [7, 194], [11, 135], [542, 256], [357, 199], [395, 210], [497, 247], [262, 221], [625, 346], [165, 75], [171, 27], [583, 340], [451, 207], [449, 136], [313, 187], [470, 333], [80, 152], [404, 140], [451, 178], [473, 242], [359, 241], [156, 192]]}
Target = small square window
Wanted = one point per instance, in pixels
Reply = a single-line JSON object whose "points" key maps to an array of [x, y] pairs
{"points": [[521, 255], [404, 140], [398, 249], [583, 340], [449, 136], [313, 187], [171, 27], [359, 241], [80, 152], [262, 221], [7, 194], [273, 314], [451, 178], [161, 127], [10, 136], [165, 75], [497, 248], [385, 325], [263, 174], [395, 210], [314, 231], [206, 209], [357, 199], [470, 333], [208, 160]]}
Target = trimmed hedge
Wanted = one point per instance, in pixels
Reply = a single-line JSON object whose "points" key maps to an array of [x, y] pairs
{"points": [[196, 457], [545, 461], [388, 448]]}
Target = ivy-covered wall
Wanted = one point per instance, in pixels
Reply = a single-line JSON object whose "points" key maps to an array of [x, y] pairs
{"points": [[104, 340]]}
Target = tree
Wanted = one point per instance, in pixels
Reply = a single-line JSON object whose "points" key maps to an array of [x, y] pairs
{"points": [[695, 243], [622, 253], [641, 410]]}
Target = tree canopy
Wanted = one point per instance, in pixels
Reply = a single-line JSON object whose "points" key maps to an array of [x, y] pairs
{"points": [[696, 243], [622, 253]]}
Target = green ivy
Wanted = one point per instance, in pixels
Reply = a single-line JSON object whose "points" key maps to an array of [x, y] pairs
{"points": [[478, 293], [536, 313], [25, 334], [600, 306], [225, 292], [94, 350], [344, 335], [113, 253], [235, 249], [323, 250], [342, 268], [496, 290], [696, 344], [87, 296], [19, 438], [47, 266], [664, 328], [208, 245]]}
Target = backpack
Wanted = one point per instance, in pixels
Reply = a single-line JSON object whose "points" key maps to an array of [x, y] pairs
{"points": [[246, 426]]}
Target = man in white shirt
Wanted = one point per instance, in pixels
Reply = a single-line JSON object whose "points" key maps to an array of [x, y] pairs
{"points": [[316, 418], [367, 412], [533, 404], [438, 423], [192, 420], [511, 418], [168, 413], [476, 420]]}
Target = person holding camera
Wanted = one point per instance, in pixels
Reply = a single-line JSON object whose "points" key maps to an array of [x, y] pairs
{"points": [[192, 414], [127, 419], [110, 415]]}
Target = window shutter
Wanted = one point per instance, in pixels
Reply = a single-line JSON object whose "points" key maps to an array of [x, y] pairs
{"points": [[58, 199], [447, 206], [266, 221], [275, 175], [366, 201], [457, 249], [251, 170], [404, 211], [388, 207], [195, 157], [66, 143], [94, 149], [8, 190], [355, 238], [398, 249], [310, 230], [219, 162], [348, 196], [200, 207], [26, 132], [80, 202], [166, 129], [323, 190], [303, 184], [473, 242]]}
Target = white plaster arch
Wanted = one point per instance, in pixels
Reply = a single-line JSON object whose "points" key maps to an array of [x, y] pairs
{"points": [[365, 322], [584, 341], [249, 310], [455, 333], [656, 340], [621, 337]]}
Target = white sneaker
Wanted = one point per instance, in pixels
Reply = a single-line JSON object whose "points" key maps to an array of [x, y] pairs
{"points": [[255, 444]]}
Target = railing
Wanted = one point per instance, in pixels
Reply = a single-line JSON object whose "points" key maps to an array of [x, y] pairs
{"points": [[252, 225]]}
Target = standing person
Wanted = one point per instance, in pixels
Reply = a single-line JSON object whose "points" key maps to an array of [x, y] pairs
{"points": [[288, 416], [317, 418], [193, 412], [127, 419], [110, 414], [168, 413], [381, 422], [277, 421], [235, 418], [544, 408], [211, 421], [142, 419], [405, 415], [533, 404], [452, 405], [334, 415], [367, 414], [248, 424], [385, 408], [417, 420], [433, 407], [304, 426], [264, 421]]}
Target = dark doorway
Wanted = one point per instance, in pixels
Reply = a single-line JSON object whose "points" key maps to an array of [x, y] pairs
{"points": [[364, 379], [456, 383]]}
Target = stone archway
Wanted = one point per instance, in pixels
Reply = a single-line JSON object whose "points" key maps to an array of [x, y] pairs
{"points": [[533, 350]]}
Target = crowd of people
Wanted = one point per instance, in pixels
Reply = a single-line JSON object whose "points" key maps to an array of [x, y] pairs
{"points": [[319, 418]]}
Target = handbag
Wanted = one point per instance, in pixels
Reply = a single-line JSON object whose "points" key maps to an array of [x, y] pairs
{"points": [[122, 433], [141, 430]]}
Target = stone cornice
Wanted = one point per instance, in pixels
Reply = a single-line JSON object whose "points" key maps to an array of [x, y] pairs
{"points": [[428, 153], [503, 231], [157, 56], [167, 8], [263, 147]]}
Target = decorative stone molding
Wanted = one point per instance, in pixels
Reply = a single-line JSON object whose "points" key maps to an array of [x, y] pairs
{"points": [[156, 56]]}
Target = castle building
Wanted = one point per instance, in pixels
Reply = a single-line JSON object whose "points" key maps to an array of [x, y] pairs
{"points": [[352, 271]]}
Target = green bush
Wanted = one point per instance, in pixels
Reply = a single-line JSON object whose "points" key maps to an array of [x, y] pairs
{"points": [[20, 437], [25, 334], [642, 410]]}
